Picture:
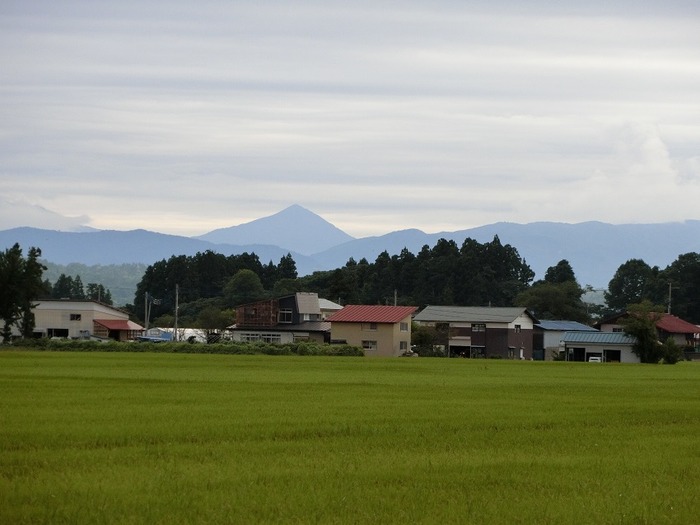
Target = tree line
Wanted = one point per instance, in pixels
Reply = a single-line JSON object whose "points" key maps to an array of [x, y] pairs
{"points": [[470, 274], [488, 273], [209, 285], [675, 288]]}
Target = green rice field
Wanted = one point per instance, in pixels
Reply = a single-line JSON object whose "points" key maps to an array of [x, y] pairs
{"points": [[185, 438]]}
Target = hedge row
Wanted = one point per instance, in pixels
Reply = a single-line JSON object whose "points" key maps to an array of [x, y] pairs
{"points": [[233, 348]]}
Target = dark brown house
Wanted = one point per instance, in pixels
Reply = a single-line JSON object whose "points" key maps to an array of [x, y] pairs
{"points": [[296, 317], [483, 331]]}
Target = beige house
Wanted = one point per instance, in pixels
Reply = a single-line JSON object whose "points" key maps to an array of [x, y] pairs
{"points": [[77, 319], [379, 330]]}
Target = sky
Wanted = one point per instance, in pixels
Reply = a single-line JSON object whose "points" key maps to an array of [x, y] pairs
{"points": [[182, 117]]}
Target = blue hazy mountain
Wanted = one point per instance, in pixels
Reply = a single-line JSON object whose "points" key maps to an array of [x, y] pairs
{"points": [[594, 249], [105, 247], [295, 228]]}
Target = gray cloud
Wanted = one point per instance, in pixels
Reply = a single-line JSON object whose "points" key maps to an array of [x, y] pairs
{"points": [[432, 115]]}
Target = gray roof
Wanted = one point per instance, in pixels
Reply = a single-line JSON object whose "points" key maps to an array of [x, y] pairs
{"points": [[307, 303], [471, 314], [325, 304], [565, 326], [601, 338]]}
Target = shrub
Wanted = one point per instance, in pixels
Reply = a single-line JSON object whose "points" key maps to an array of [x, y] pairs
{"points": [[230, 347], [672, 353]]}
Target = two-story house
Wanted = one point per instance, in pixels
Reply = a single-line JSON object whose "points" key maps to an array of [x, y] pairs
{"points": [[296, 317], [483, 331], [81, 319], [379, 330]]}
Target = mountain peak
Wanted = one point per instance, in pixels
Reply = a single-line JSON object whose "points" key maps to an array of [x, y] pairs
{"points": [[294, 228]]}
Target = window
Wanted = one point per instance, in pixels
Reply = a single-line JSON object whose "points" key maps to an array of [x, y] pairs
{"points": [[404, 327], [271, 338], [75, 317], [252, 337], [369, 327], [517, 328], [617, 329], [285, 315], [478, 327], [403, 346], [369, 345]]}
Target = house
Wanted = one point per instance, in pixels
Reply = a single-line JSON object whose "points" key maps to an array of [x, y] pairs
{"points": [[81, 319], [548, 335], [685, 334], [380, 330], [483, 331], [610, 347], [296, 317], [328, 308]]}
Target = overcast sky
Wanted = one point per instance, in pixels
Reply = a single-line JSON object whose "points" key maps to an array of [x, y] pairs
{"points": [[183, 117]]}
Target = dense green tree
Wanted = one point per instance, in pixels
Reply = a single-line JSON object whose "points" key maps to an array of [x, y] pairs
{"points": [[679, 283], [558, 296], [244, 287], [20, 284], [212, 318], [641, 324], [634, 281], [212, 272], [340, 287], [268, 275], [78, 291], [561, 273], [561, 301], [287, 268], [671, 353], [97, 292], [63, 287], [286, 287]]}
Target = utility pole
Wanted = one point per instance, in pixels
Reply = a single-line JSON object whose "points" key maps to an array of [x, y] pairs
{"points": [[145, 309], [670, 287], [177, 299]]}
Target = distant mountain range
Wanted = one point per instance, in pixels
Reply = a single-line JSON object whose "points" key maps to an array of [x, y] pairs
{"points": [[594, 249]]}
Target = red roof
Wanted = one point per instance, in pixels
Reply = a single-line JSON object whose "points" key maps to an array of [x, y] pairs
{"points": [[675, 325], [118, 324], [360, 313]]}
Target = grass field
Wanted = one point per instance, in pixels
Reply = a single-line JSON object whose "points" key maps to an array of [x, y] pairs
{"points": [[171, 438]]}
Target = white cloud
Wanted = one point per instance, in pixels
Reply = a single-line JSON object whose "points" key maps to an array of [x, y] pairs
{"points": [[14, 214]]}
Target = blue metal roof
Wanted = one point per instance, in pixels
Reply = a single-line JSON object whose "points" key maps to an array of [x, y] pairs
{"points": [[565, 326], [601, 338]]}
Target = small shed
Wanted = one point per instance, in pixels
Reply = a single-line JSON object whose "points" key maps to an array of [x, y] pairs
{"points": [[608, 347]]}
